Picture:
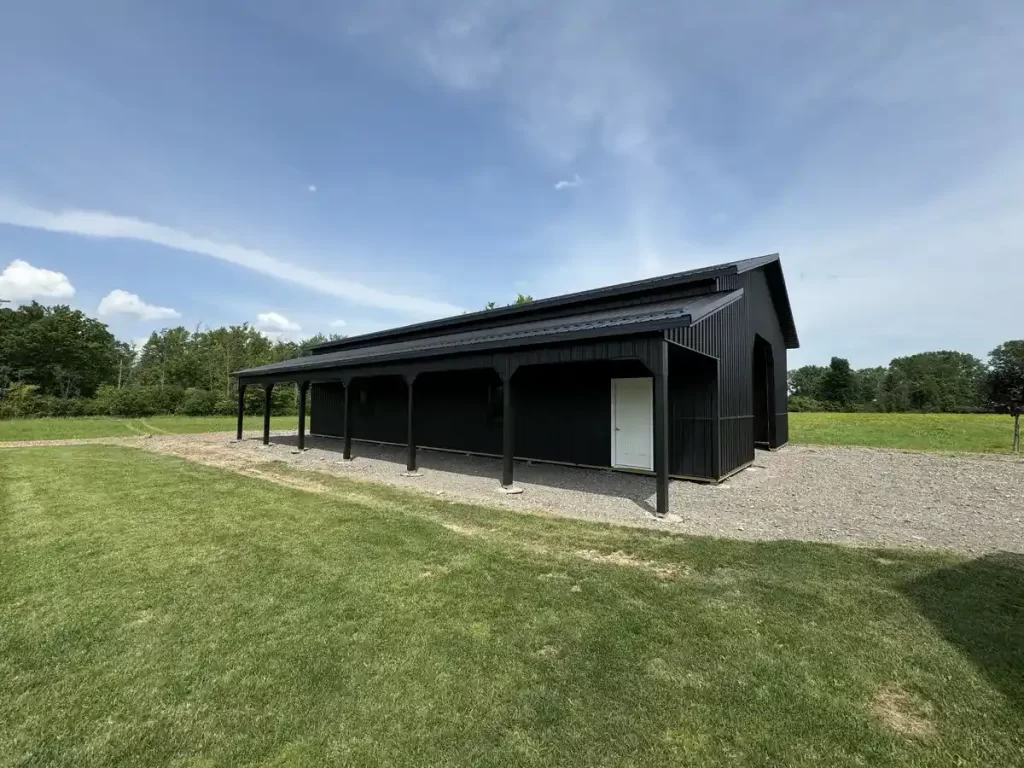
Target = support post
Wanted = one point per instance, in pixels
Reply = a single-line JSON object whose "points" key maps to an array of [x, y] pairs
{"points": [[508, 430], [267, 390], [347, 453], [241, 407], [661, 429], [410, 463], [303, 390]]}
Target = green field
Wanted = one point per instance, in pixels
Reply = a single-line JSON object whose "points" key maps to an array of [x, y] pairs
{"points": [[74, 429], [909, 431], [155, 612]]}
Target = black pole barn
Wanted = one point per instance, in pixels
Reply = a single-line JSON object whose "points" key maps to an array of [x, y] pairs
{"points": [[657, 377]]}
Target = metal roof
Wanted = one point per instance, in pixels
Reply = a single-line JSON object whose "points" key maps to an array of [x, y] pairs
{"points": [[515, 312], [606, 322]]}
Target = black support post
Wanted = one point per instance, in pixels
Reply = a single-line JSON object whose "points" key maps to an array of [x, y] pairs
{"points": [[241, 407], [267, 390], [661, 429], [303, 390], [410, 463], [347, 454], [508, 431]]}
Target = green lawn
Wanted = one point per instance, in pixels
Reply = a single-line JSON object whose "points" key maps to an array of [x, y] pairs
{"points": [[155, 612], [923, 432], [70, 429], [910, 431]]}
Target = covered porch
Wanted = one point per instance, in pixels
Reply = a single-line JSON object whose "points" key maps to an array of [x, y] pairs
{"points": [[551, 404]]}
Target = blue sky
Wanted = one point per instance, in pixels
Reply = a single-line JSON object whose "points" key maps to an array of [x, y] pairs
{"points": [[334, 166]]}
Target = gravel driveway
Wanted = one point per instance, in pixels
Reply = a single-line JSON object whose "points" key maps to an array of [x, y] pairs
{"points": [[861, 496]]}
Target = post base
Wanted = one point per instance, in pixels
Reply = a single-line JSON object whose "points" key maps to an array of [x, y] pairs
{"points": [[414, 473], [509, 489]]}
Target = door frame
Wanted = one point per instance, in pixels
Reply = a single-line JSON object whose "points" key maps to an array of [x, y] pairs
{"points": [[650, 447]]}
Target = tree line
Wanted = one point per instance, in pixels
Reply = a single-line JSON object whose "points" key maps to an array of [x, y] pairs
{"points": [[57, 361], [928, 382]]}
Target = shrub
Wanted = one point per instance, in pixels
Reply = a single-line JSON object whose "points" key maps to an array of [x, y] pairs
{"points": [[197, 402], [161, 399], [800, 404], [19, 402]]}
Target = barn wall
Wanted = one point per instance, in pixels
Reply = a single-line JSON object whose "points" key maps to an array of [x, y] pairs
{"points": [[693, 396], [725, 335], [563, 411], [764, 322]]}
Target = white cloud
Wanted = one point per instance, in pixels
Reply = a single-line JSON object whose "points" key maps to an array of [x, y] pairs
{"points": [[276, 326], [119, 302], [108, 225], [20, 281], [575, 181], [275, 321], [311, 188], [338, 324]]}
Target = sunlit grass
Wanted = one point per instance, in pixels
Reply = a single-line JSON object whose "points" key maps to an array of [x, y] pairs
{"points": [[102, 426], [155, 612], [910, 431]]}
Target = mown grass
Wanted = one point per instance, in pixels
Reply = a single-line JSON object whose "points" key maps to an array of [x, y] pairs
{"points": [[74, 429], [155, 612], [986, 433]]}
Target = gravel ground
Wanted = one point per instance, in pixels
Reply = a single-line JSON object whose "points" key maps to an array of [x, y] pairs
{"points": [[862, 496]]}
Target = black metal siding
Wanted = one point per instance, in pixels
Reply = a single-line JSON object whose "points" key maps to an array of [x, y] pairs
{"points": [[563, 411], [725, 336], [764, 322], [693, 395]]}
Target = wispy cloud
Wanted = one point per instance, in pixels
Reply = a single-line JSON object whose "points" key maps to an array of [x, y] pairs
{"points": [[575, 181], [338, 324], [119, 302], [20, 281], [107, 225], [878, 146]]}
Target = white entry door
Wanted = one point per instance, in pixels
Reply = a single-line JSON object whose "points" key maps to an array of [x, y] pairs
{"points": [[633, 423]]}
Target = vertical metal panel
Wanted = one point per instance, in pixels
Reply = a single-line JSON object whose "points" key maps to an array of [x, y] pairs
{"points": [[693, 394], [726, 335], [764, 322], [327, 400], [563, 410], [729, 336]]}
